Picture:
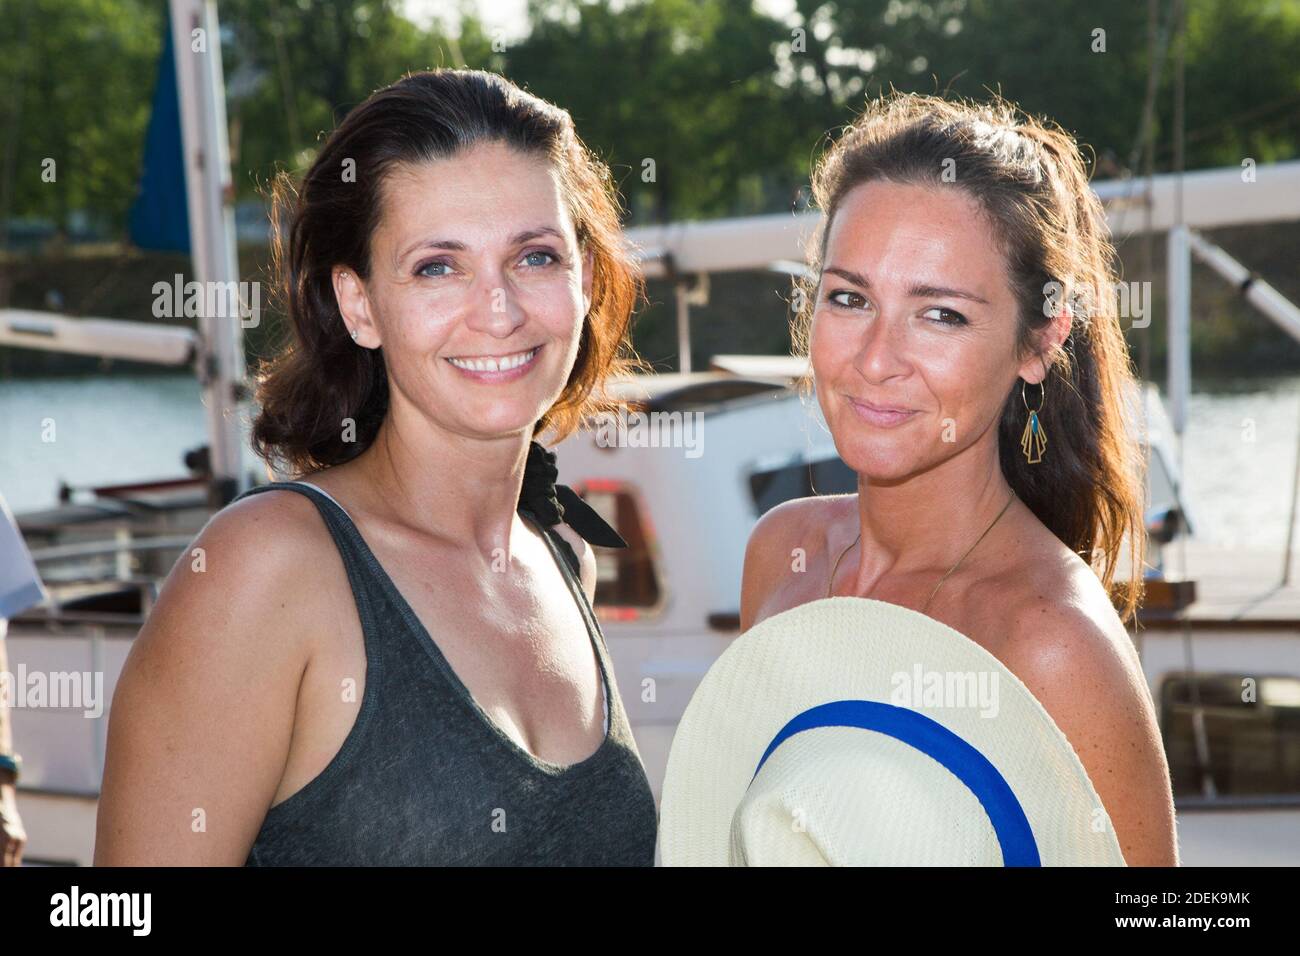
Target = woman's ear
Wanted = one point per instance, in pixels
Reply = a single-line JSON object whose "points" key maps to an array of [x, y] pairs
{"points": [[1050, 340], [354, 306]]}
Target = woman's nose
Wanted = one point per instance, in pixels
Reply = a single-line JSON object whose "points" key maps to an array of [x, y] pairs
{"points": [[883, 345], [495, 307]]}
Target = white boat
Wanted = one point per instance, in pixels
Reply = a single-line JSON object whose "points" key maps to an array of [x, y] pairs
{"points": [[669, 607], [669, 604]]}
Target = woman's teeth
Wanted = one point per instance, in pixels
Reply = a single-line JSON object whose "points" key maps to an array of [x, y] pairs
{"points": [[503, 364]]}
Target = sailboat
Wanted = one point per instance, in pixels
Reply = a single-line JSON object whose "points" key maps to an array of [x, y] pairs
{"points": [[668, 603]]}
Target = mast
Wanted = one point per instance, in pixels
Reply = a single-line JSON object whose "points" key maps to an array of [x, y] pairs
{"points": [[210, 196]]}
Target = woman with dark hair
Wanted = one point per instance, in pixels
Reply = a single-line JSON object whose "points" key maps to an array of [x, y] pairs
{"points": [[396, 662], [963, 339]]}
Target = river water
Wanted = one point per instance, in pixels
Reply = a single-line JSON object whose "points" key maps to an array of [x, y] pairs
{"points": [[1239, 451]]}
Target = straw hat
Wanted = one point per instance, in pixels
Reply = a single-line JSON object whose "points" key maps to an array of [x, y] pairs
{"points": [[853, 732]]}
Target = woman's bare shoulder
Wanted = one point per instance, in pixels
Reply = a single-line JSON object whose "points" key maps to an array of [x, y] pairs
{"points": [[1045, 575], [802, 519], [789, 540], [276, 534], [1065, 641], [204, 711], [258, 559]]}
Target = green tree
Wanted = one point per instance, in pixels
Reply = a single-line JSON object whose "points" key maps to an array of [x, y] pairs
{"points": [[76, 76], [306, 63], [677, 95]]}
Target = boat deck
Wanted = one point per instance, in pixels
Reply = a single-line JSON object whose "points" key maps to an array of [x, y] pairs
{"points": [[1235, 588]]}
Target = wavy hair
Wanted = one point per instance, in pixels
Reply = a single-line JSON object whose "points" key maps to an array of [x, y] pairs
{"points": [[319, 378], [1029, 178]]}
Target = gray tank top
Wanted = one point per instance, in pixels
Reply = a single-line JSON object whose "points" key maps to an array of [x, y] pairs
{"points": [[426, 778]]}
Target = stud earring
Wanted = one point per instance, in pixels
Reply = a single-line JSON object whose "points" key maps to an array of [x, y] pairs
{"points": [[354, 334], [1034, 440]]}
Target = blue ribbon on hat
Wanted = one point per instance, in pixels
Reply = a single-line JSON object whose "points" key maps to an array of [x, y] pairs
{"points": [[938, 742]]}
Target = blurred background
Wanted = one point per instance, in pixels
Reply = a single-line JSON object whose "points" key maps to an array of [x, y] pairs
{"points": [[709, 89], [728, 102]]}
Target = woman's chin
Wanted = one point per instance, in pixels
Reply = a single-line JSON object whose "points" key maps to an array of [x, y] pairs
{"points": [[880, 465], [501, 418]]}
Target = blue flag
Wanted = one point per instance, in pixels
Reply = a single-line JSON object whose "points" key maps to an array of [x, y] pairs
{"points": [[160, 216]]}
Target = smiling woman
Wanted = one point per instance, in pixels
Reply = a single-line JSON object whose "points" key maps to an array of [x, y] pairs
{"points": [[397, 661], [369, 207], [977, 390], [948, 225]]}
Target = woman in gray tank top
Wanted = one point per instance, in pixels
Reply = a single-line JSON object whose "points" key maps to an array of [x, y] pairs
{"points": [[393, 659]]}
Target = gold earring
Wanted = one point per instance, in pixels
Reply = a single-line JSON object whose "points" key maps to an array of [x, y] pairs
{"points": [[1034, 440]]}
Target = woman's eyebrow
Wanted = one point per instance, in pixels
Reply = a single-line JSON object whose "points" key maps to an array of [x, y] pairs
{"points": [[457, 246], [916, 291], [531, 234], [453, 244]]}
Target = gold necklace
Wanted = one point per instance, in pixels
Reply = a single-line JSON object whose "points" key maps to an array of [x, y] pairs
{"points": [[830, 584]]}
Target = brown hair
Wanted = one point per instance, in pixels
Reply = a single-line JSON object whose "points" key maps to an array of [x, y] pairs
{"points": [[1029, 179], [320, 377]]}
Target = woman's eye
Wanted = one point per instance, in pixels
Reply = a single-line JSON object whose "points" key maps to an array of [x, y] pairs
{"points": [[531, 258], [847, 298], [436, 264], [954, 318]]}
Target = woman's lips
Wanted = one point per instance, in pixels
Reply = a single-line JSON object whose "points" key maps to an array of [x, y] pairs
{"points": [[485, 373], [880, 417]]}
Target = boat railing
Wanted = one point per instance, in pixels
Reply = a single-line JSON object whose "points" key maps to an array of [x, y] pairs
{"points": [[118, 546]]}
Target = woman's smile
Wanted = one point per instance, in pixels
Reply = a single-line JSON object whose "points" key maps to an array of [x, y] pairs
{"points": [[496, 368], [881, 417]]}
